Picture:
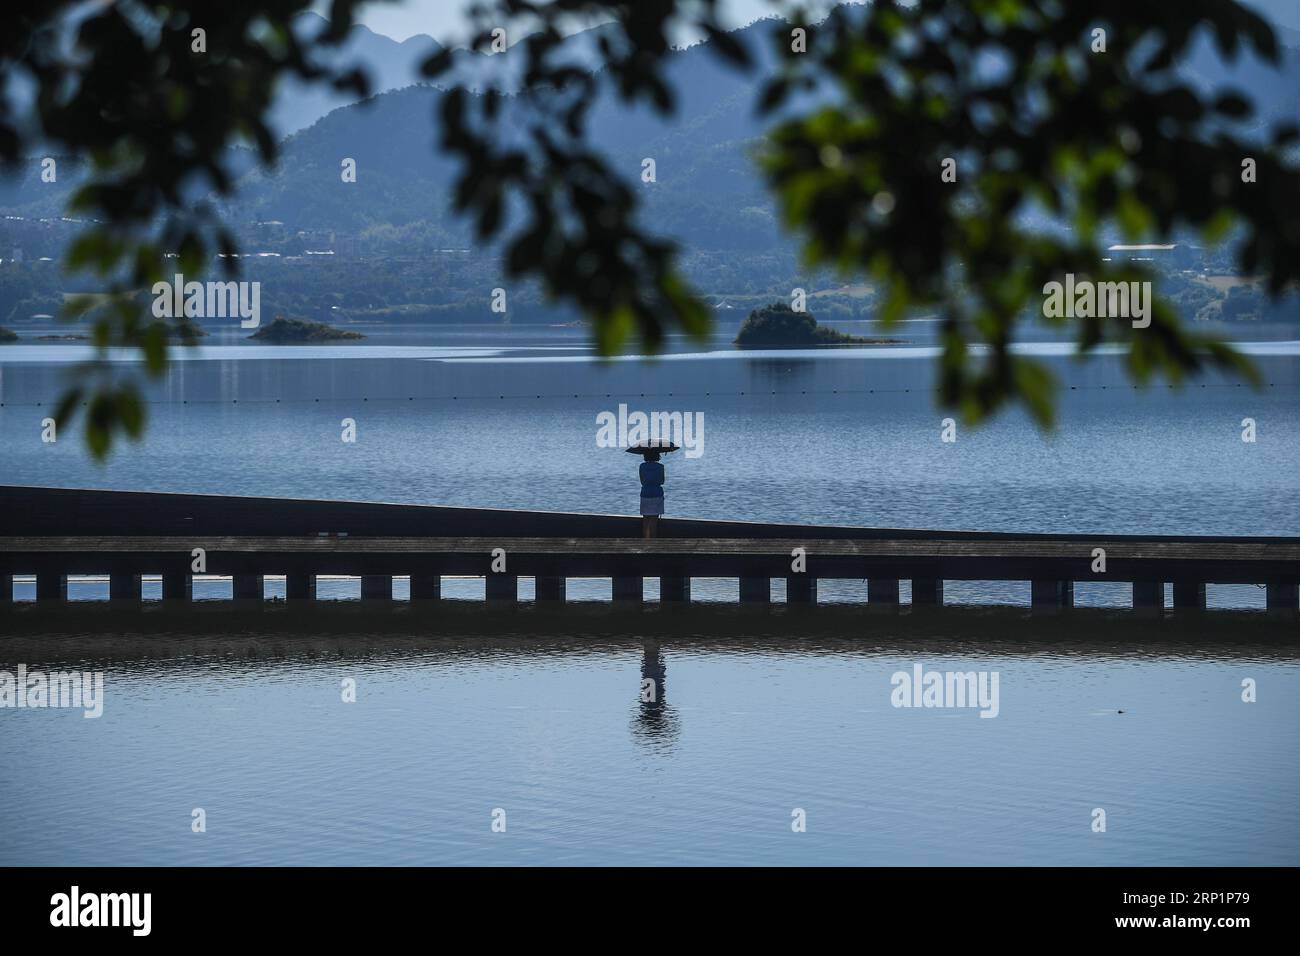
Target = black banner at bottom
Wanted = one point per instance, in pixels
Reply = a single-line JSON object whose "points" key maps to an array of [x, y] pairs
{"points": [[334, 905]]}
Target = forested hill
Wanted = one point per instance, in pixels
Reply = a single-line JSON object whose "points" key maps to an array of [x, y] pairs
{"points": [[707, 194]]}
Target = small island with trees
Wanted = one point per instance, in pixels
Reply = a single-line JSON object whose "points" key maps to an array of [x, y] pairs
{"points": [[777, 326], [8, 335], [186, 330], [284, 331]]}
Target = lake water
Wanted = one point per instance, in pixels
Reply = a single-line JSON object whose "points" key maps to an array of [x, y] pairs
{"points": [[756, 716], [543, 718]]}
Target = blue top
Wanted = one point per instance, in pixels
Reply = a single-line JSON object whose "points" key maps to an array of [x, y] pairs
{"points": [[652, 473]]}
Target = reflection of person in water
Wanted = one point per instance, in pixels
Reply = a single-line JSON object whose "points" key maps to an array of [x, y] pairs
{"points": [[655, 722]]}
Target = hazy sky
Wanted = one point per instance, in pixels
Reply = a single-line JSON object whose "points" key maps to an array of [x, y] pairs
{"points": [[442, 19]]}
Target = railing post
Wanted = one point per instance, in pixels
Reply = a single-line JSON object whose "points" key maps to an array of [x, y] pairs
{"points": [[51, 588], [124, 589], [426, 587], [1149, 596], [927, 591], [627, 588], [882, 592], [550, 587], [376, 587], [1189, 595], [299, 586], [6, 588], [800, 589], [177, 586], [674, 589], [1051, 595], [1282, 597], [502, 587], [247, 587]]}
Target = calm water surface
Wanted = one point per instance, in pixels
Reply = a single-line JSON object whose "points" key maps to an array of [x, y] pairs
{"points": [[847, 436], [751, 721], [756, 716]]}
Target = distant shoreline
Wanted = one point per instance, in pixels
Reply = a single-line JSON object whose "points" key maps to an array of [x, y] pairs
{"points": [[848, 343]]}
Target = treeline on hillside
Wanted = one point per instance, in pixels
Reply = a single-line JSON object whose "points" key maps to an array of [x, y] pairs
{"points": [[458, 287]]}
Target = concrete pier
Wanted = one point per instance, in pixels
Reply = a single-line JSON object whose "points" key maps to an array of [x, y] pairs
{"points": [[52, 533]]}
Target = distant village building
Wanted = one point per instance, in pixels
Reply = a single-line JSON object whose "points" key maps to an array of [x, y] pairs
{"points": [[317, 238], [1172, 255], [1140, 252]]}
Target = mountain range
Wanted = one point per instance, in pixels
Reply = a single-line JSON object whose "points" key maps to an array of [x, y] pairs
{"points": [[708, 194]]}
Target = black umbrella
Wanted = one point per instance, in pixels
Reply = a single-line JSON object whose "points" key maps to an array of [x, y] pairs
{"points": [[655, 447]]}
